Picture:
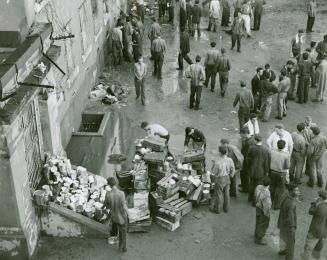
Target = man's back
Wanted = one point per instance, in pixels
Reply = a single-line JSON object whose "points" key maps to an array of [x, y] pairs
{"points": [[212, 57], [318, 226], [258, 161], [115, 201], [223, 64], [287, 215]]}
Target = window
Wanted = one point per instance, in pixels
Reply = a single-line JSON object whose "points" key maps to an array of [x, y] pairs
{"points": [[85, 27]]}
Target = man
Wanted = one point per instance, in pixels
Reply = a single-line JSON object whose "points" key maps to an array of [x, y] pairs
{"points": [[267, 89], [255, 87], [171, 10], [298, 154], [210, 64], [226, 6], [184, 49], [287, 222], [196, 137], [162, 4], [196, 18], [263, 206], [280, 133], [291, 71], [156, 130], [117, 44], [245, 99], [322, 48], [237, 7], [247, 142], [306, 72], [234, 153], [116, 203], [182, 15], [238, 29], [140, 9], [279, 166], [312, 12], [223, 68], [316, 150], [268, 73], [140, 70], [214, 13], [158, 49], [258, 10], [155, 31], [197, 75], [222, 170], [321, 79], [246, 12], [137, 44], [317, 233], [253, 125], [297, 44], [127, 39], [189, 13], [283, 87], [257, 162]]}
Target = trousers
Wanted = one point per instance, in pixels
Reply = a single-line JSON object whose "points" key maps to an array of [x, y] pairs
{"points": [[158, 62], [232, 190], [287, 242], [223, 81], [266, 104], [261, 224], [195, 96], [221, 194], [310, 23], [139, 89], [243, 116], [211, 74], [281, 104], [213, 22], [297, 164], [277, 188], [304, 86], [257, 21], [122, 231], [184, 56], [236, 38], [244, 180], [310, 247], [197, 25], [315, 164]]}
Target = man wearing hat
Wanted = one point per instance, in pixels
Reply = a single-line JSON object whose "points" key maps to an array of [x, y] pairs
{"points": [[223, 68], [184, 50], [197, 75], [246, 103], [318, 228], [115, 201], [210, 63], [315, 153]]}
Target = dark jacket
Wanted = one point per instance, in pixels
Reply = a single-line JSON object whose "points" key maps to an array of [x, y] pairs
{"points": [[189, 11], [257, 162], [287, 216], [258, 6], [184, 43], [197, 136], [115, 201], [197, 13], [318, 226], [271, 75], [267, 88], [238, 27], [255, 83]]}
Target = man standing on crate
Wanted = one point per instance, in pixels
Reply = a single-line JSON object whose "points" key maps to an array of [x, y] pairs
{"points": [[115, 201], [223, 169]]}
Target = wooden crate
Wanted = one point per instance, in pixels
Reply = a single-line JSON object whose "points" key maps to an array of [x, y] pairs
{"points": [[181, 205], [194, 156], [155, 158], [171, 226], [155, 144], [140, 226]]}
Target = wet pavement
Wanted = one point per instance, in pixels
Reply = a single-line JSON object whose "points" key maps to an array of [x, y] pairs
{"points": [[202, 234]]}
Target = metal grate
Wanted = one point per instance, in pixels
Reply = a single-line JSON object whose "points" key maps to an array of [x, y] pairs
{"points": [[90, 123]]}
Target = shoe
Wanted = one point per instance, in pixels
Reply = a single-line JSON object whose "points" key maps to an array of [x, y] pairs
{"points": [[205, 85], [249, 36], [124, 250], [240, 185], [315, 100], [214, 211], [279, 118], [232, 48], [179, 68], [191, 107], [239, 51], [310, 184], [212, 90], [282, 252], [198, 108], [222, 94], [299, 102], [284, 115], [113, 240]]}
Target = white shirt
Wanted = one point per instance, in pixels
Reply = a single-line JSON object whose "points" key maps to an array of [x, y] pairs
{"points": [[274, 138], [214, 9], [253, 128], [156, 129]]}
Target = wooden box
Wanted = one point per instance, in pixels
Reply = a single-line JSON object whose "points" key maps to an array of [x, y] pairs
{"points": [[140, 226], [194, 156], [155, 144], [155, 158], [171, 226]]}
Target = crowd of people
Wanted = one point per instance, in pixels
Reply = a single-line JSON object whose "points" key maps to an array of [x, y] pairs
{"points": [[270, 171]]}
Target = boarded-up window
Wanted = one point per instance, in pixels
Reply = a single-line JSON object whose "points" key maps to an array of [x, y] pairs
{"points": [[85, 25]]}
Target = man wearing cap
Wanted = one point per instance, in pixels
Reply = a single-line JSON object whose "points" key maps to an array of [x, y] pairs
{"points": [[253, 125], [154, 32], [297, 44], [234, 153], [223, 68], [279, 165], [158, 49], [222, 169], [287, 222], [115, 201], [257, 162], [184, 49], [268, 89], [283, 87], [317, 233], [210, 64], [247, 142], [316, 150], [197, 75], [245, 99], [298, 154]]}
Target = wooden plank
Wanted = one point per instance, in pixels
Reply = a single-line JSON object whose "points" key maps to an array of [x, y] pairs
{"points": [[186, 208], [181, 204], [79, 218], [174, 197], [175, 202], [167, 224]]}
